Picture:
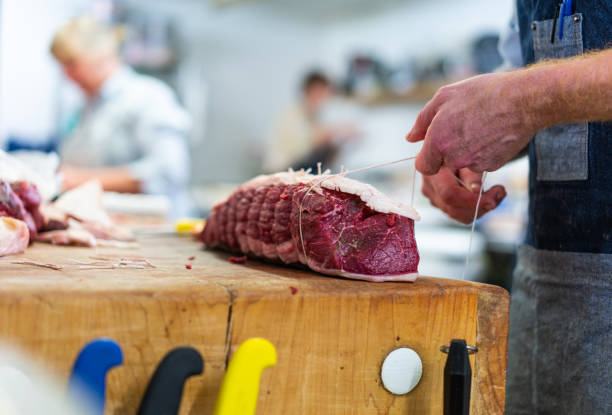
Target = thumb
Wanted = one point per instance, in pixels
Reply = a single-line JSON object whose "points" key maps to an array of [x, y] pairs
{"points": [[493, 197], [423, 120], [429, 160], [472, 180]]}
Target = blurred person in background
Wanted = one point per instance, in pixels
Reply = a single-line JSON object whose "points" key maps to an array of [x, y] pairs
{"points": [[301, 137], [132, 132]]}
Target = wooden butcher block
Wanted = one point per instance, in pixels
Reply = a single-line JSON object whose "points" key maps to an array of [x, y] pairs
{"points": [[331, 335]]}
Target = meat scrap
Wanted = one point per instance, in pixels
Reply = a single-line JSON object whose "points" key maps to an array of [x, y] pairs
{"points": [[84, 203], [72, 236], [238, 259], [55, 219], [14, 236], [20, 200], [78, 218], [332, 224]]}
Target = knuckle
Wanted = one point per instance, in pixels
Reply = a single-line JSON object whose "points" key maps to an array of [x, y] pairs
{"points": [[462, 162], [476, 168], [442, 92]]}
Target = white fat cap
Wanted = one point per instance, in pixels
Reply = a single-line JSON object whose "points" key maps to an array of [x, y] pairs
{"points": [[371, 196]]}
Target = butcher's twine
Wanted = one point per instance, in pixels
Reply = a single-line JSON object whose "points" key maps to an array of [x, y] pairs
{"points": [[345, 173], [390, 163], [469, 252]]}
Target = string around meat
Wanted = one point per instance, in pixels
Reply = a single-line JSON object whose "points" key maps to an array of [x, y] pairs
{"points": [[375, 166], [469, 252], [341, 174]]}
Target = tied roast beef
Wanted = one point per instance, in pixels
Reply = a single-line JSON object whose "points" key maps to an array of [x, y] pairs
{"points": [[330, 223]]}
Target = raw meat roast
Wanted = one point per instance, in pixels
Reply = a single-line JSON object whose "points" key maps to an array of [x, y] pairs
{"points": [[332, 224]]}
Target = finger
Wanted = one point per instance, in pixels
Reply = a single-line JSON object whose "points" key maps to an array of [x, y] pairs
{"points": [[445, 193], [490, 200], [464, 216], [459, 203], [487, 204], [466, 199], [429, 160], [451, 193], [494, 196], [423, 120], [472, 180], [427, 188]]}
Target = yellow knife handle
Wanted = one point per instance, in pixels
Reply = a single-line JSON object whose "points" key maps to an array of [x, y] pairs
{"points": [[240, 387]]}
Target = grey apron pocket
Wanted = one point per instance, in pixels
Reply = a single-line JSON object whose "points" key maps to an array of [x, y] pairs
{"points": [[561, 150]]}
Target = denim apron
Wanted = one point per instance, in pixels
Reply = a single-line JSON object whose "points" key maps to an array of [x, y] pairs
{"points": [[560, 338]]}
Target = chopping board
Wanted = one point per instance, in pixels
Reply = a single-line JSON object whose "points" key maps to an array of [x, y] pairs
{"points": [[331, 334]]}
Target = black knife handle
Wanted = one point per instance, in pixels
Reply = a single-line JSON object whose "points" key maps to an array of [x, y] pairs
{"points": [[165, 390], [457, 379]]}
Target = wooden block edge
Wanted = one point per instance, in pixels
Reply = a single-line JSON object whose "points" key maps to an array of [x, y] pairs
{"points": [[491, 360]]}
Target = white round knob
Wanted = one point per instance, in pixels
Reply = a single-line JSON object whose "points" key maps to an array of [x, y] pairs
{"points": [[401, 371]]}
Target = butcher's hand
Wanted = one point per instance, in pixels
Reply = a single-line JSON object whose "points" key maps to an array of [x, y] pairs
{"points": [[478, 123], [446, 193]]}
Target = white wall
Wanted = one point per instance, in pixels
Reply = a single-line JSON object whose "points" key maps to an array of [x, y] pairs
{"points": [[28, 75]]}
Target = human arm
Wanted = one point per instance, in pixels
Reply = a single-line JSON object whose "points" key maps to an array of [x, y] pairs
{"points": [[484, 121], [165, 162], [114, 179]]}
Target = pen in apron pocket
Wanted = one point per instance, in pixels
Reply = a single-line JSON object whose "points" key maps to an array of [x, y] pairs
{"points": [[567, 9], [554, 27]]}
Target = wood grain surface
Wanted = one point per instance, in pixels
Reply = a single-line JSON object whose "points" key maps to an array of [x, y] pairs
{"points": [[331, 335]]}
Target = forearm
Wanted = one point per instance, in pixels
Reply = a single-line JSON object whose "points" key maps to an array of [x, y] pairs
{"points": [[564, 91], [117, 179]]}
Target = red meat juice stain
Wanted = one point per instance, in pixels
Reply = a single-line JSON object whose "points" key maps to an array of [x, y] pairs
{"points": [[188, 266], [238, 260], [191, 258], [293, 290]]}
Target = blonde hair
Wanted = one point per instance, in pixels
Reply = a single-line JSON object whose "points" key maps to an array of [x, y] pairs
{"points": [[83, 36]]}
